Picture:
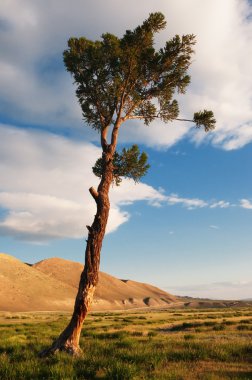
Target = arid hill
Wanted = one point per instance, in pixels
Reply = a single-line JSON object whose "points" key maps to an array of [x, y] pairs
{"points": [[23, 288], [52, 285]]}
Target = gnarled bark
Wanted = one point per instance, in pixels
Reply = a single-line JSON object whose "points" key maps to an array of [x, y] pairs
{"points": [[69, 339]]}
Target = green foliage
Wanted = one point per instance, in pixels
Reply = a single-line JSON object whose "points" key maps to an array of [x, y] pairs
{"points": [[119, 79], [130, 163], [127, 78], [206, 119]]}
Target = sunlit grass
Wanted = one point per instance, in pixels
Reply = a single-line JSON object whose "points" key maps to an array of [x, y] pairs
{"points": [[161, 344]]}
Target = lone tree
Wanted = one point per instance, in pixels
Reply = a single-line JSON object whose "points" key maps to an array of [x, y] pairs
{"points": [[120, 79]]}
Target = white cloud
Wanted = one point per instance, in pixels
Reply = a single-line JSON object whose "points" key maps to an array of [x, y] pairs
{"points": [[35, 216], [222, 69], [158, 134], [34, 88], [45, 182], [214, 227], [245, 203], [192, 203], [45, 187], [219, 290], [129, 192], [220, 204], [237, 138]]}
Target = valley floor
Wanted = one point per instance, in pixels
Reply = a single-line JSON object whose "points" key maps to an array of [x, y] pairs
{"points": [[211, 344]]}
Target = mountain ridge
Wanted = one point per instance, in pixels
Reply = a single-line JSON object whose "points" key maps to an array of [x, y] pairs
{"points": [[51, 285]]}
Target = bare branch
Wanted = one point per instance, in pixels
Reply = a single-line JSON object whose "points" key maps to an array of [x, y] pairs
{"points": [[192, 121], [157, 117], [94, 193], [90, 230], [114, 135], [123, 95], [137, 117], [133, 107], [104, 143]]}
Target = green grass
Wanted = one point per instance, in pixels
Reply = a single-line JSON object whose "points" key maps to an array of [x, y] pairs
{"points": [[199, 344]]}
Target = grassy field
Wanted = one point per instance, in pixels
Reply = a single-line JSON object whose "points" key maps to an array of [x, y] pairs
{"points": [[163, 344]]}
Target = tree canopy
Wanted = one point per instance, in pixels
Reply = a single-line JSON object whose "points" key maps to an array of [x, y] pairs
{"points": [[119, 79]]}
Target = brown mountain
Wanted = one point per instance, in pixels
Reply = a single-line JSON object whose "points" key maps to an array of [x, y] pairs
{"points": [[52, 285], [23, 288]]}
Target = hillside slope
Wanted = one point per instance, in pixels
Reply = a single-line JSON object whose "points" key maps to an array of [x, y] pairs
{"points": [[111, 291], [52, 285], [23, 288]]}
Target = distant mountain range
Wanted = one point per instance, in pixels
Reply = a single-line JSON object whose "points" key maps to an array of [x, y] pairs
{"points": [[52, 284]]}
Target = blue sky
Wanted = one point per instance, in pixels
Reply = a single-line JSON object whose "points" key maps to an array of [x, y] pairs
{"points": [[187, 226]]}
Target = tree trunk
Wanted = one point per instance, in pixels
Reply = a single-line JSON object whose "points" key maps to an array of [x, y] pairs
{"points": [[69, 339]]}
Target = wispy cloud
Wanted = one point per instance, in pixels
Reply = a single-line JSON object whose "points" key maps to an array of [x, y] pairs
{"points": [[245, 203], [190, 204], [220, 204], [214, 227]]}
